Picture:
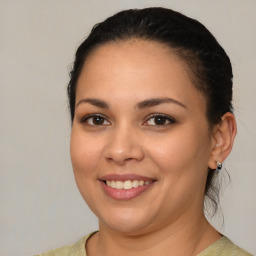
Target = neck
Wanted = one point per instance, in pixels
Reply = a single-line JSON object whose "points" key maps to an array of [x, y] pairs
{"points": [[187, 237]]}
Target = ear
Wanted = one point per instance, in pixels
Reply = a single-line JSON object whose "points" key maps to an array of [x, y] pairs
{"points": [[223, 136]]}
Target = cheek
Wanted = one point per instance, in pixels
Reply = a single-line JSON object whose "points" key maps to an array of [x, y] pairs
{"points": [[182, 150], [181, 159], [85, 153]]}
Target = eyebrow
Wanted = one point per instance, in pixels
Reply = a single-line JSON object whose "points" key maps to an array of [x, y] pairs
{"points": [[141, 105], [157, 101], [94, 102]]}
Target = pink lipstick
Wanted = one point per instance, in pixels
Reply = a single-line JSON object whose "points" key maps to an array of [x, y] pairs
{"points": [[125, 187]]}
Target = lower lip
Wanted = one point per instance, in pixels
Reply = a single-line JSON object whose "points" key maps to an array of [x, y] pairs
{"points": [[125, 194]]}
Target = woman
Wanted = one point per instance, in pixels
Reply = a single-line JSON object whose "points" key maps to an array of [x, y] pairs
{"points": [[150, 100]]}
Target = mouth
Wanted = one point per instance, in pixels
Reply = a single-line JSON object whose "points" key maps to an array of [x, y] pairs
{"points": [[125, 187], [128, 184]]}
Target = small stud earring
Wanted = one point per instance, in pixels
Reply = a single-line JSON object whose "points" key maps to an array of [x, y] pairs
{"points": [[219, 166]]}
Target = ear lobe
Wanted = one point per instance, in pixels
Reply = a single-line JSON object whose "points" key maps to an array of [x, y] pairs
{"points": [[223, 136]]}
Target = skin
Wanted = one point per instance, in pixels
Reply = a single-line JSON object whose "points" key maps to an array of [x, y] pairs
{"points": [[167, 217]]}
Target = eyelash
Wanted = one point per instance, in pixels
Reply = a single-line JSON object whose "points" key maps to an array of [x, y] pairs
{"points": [[102, 118], [86, 119], [166, 118]]}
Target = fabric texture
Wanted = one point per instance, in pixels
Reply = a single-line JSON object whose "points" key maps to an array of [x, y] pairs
{"points": [[222, 247]]}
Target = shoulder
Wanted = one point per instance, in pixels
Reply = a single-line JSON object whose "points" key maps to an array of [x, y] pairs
{"points": [[63, 251], [77, 249], [223, 247]]}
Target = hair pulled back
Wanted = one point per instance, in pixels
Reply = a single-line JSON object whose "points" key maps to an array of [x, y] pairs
{"points": [[205, 59]]}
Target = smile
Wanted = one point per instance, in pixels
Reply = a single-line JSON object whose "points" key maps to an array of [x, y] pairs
{"points": [[125, 187], [128, 184]]}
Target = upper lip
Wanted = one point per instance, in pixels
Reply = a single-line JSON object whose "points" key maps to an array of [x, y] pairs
{"points": [[124, 177]]}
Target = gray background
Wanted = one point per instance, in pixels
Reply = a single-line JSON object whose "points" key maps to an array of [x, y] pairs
{"points": [[41, 208]]}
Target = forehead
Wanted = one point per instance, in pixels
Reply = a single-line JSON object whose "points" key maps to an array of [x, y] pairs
{"points": [[144, 67], [135, 51]]}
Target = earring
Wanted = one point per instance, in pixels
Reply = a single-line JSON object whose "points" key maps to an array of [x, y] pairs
{"points": [[219, 166]]}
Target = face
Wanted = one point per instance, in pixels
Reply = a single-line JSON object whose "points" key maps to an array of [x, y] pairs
{"points": [[140, 142]]}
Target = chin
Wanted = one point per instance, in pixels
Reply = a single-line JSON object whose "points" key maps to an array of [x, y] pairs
{"points": [[126, 222]]}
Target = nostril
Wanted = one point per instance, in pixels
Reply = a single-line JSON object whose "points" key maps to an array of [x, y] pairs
{"points": [[120, 159], [129, 159]]}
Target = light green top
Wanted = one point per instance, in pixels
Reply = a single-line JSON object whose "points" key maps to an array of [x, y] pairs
{"points": [[222, 247]]}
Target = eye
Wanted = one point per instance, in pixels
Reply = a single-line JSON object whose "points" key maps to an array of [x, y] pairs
{"points": [[95, 120], [159, 120]]}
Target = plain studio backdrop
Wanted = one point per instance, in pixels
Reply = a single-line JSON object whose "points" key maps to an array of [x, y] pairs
{"points": [[41, 208]]}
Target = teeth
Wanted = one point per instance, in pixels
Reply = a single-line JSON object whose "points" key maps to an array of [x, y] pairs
{"points": [[128, 184], [119, 184], [135, 183], [113, 184]]}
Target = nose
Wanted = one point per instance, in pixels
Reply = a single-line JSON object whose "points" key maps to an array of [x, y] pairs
{"points": [[123, 146]]}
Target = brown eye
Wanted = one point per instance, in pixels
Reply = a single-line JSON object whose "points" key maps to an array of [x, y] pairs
{"points": [[159, 120], [95, 120]]}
